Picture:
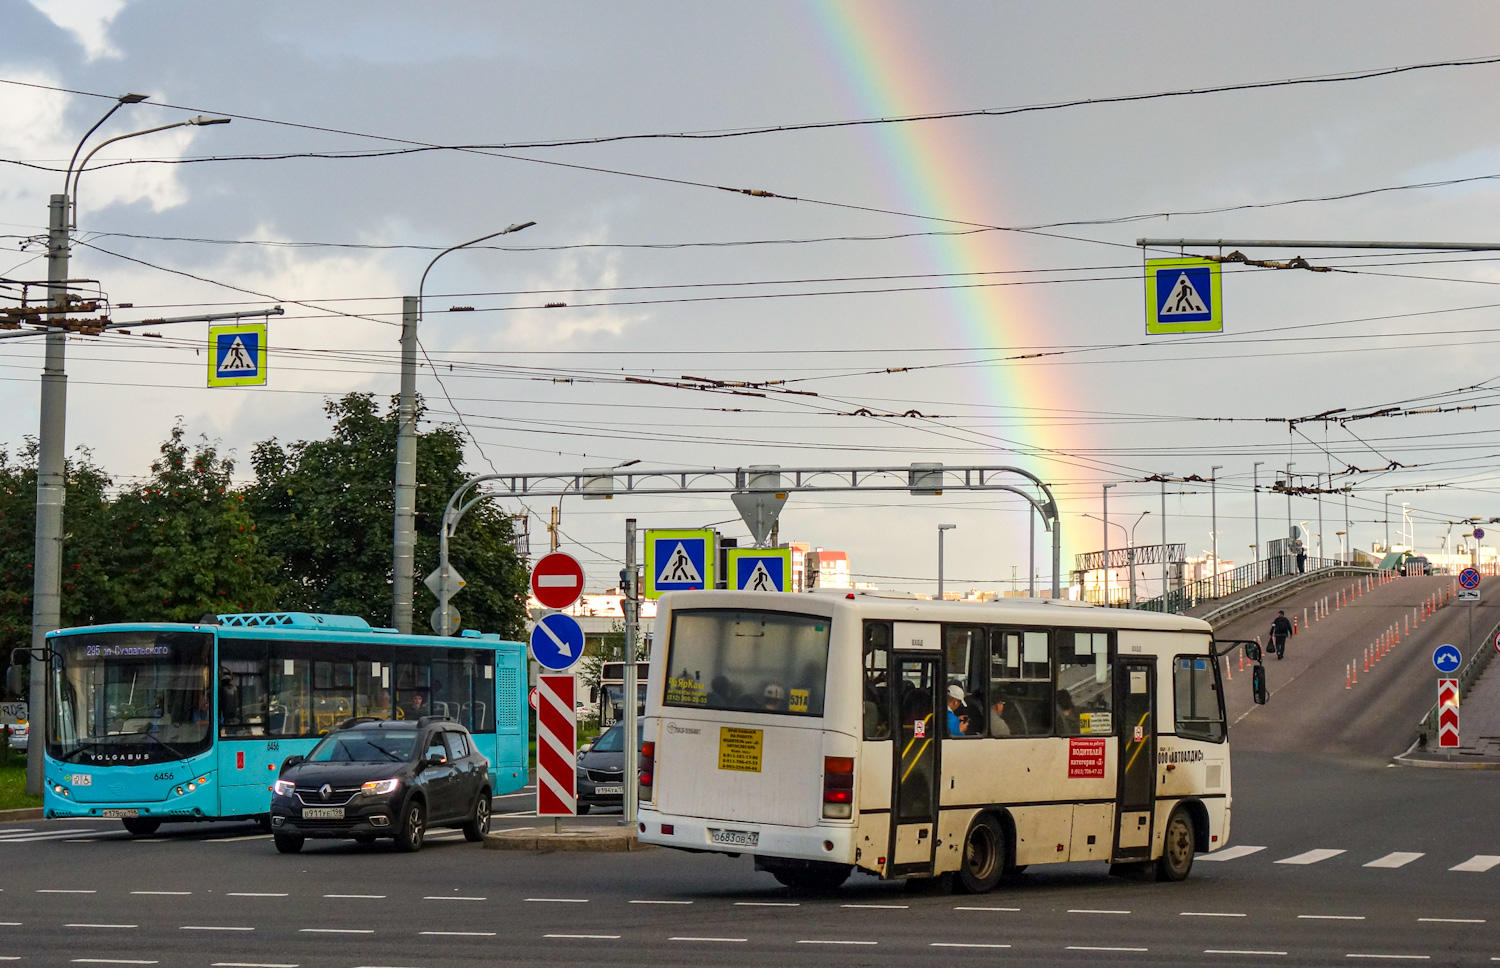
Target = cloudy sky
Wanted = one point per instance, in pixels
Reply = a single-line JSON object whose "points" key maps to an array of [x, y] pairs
{"points": [[978, 272]]}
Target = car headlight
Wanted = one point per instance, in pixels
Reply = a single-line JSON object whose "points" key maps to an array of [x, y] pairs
{"points": [[381, 787], [283, 788]]}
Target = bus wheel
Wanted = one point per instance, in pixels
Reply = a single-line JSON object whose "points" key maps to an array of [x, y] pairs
{"points": [[1177, 853], [141, 826], [984, 856], [816, 877]]}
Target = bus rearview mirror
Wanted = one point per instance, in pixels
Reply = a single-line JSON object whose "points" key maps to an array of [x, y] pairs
{"points": [[1258, 685]]}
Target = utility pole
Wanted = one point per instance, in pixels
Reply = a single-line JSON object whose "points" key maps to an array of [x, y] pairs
{"points": [[1320, 514], [1255, 487], [1213, 504], [1106, 544], [942, 528], [1031, 551], [553, 526], [1348, 538], [631, 605], [1164, 540], [1289, 466], [1387, 523], [403, 571]]}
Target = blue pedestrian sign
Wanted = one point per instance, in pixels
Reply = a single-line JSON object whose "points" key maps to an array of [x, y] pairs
{"points": [[1184, 296], [557, 641], [678, 561], [1469, 578], [237, 355], [760, 569], [1447, 658]]}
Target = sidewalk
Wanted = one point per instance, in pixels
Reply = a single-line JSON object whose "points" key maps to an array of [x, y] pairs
{"points": [[1479, 730]]}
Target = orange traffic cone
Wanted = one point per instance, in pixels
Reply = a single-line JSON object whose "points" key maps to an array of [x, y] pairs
{"points": [[1348, 677]]}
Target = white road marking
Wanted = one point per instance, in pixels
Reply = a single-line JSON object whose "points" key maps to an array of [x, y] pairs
{"points": [[661, 902], [80, 840], [1094, 911], [1479, 863], [101, 925], [252, 894], [1238, 951], [814, 941], [60, 891], [1399, 858], [1229, 853], [113, 961], [1311, 856], [163, 893], [251, 964], [1453, 920], [10, 924], [1209, 914], [962, 907], [211, 927], [1393, 957], [16, 830], [767, 904], [10, 957], [365, 897], [1084, 947], [587, 937], [518, 813], [460, 934], [879, 907], [963, 944], [558, 900], [452, 897], [233, 840], [28, 836], [1330, 917], [335, 930], [716, 940]]}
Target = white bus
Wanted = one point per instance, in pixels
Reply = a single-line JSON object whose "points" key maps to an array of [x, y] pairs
{"points": [[910, 738]]}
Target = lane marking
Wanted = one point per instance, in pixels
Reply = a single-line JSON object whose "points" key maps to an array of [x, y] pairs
{"points": [[163, 893], [1311, 856], [235, 840], [112, 961], [715, 940], [460, 934], [252, 894], [1095, 911], [587, 937], [962, 907], [251, 964], [368, 897], [811, 941], [661, 902], [558, 900], [10, 924], [1229, 853], [1399, 858], [80, 925], [1084, 947], [1453, 920], [1393, 957], [452, 897], [878, 907], [60, 891], [211, 927], [1209, 914], [1330, 917], [963, 944], [767, 904], [1479, 863], [1239, 951], [335, 930]]}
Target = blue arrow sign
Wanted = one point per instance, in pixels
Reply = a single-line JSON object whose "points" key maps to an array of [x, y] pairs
{"points": [[1469, 578], [557, 641], [1447, 658]]}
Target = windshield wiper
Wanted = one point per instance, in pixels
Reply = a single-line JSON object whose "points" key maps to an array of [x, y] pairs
{"points": [[387, 752], [80, 749], [176, 753]]}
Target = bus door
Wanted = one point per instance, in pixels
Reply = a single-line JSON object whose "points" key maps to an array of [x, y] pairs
{"points": [[1136, 701], [914, 797]]}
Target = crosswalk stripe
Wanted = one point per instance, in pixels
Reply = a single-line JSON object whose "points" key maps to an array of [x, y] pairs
{"points": [[1399, 858], [1479, 863], [1311, 856], [32, 838], [1229, 853]]}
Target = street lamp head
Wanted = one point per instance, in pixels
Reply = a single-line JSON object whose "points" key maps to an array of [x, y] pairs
{"points": [[204, 119], [946, 527], [132, 98], [519, 226]]}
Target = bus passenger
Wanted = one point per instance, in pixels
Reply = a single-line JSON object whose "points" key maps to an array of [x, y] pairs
{"points": [[1067, 718], [998, 725], [775, 698]]}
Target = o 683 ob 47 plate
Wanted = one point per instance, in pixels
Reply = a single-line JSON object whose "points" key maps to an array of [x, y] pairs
{"points": [[734, 838]]}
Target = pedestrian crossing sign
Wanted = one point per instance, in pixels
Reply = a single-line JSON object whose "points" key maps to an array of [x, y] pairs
{"points": [[759, 569], [1183, 296], [678, 561], [237, 355]]}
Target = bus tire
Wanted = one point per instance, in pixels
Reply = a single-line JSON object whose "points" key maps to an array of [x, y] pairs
{"points": [[479, 824], [413, 827], [288, 843], [141, 826], [983, 861], [1176, 859], [814, 878]]}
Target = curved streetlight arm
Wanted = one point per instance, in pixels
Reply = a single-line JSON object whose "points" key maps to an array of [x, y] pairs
{"points": [[421, 285], [77, 173]]}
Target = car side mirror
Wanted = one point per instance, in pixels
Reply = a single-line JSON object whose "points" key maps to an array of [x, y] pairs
{"points": [[436, 759], [585, 748], [1258, 685], [291, 761]]}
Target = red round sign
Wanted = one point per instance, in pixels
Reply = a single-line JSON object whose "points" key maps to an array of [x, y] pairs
{"points": [[532, 697], [557, 580]]}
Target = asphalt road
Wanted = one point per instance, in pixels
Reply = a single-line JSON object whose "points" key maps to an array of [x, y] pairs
{"points": [[219, 896]]}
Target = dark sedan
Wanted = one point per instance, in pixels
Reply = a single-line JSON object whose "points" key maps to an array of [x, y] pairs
{"points": [[601, 770], [379, 778]]}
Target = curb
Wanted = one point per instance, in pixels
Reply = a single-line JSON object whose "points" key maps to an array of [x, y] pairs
{"points": [[25, 813], [599, 840], [1447, 764]]}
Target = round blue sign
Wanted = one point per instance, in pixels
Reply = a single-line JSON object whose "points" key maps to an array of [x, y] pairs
{"points": [[557, 641], [1478, 534], [1447, 658]]}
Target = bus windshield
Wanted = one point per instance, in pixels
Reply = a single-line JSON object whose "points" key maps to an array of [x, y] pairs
{"points": [[130, 698], [748, 660]]}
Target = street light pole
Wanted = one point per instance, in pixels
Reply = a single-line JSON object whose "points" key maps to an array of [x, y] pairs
{"points": [[1255, 487], [51, 464], [1106, 543], [1387, 523], [941, 529], [403, 562], [1130, 556], [1164, 540], [1213, 506]]}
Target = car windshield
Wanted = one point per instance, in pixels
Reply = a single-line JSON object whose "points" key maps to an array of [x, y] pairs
{"points": [[365, 746], [613, 739]]}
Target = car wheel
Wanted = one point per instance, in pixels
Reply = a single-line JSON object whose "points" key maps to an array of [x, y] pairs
{"points": [[1177, 852], [141, 826], [984, 856], [288, 843], [413, 827], [479, 824], [583, 808]]}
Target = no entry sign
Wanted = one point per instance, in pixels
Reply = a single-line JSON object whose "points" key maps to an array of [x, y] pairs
{"points": [[557, 580]]}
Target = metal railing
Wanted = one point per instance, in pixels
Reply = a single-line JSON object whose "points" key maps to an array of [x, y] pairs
{"points": [[1230, 582]]}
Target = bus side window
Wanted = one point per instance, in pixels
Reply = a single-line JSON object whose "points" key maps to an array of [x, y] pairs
{"points": [[877, 662], [1084, 684], [964, 649], [1020, 683], [242, 688], [1200, 709]]}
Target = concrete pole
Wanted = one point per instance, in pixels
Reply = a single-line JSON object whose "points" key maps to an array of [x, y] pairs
{"points": [[1255, 488], [1387, 524], [1289, 466], [51, 491], [1106, 544], [632, 609], [941, 529], [403, 570], [1031, 551], [1164, 543], [1320, 517], [1348, 538], [1213, 506]]}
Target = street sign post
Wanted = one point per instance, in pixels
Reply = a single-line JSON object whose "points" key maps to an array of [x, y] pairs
{"points": [[1447, 658], [557, 580], [556, 747], [557, 641], [1469, 578], [678, 561], [760, 569], [1184, 295], [237, 355], [1447, 713]]}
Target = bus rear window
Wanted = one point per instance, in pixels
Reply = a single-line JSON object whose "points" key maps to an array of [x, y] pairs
{"points": [[747, 660]]}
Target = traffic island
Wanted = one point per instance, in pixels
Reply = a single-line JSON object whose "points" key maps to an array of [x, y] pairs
{"points": [[601, 839]]}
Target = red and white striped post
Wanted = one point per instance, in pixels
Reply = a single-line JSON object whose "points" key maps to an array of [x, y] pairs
{"points": [[556, 747], [1447, 713]]}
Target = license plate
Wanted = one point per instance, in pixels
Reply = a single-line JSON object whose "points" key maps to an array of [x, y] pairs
{"points": [[616, 790], [118, 814], [322, 813], [734, 838], [81, 779]]}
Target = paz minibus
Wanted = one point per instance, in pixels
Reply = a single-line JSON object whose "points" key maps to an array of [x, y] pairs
{"points": [[149, 722], [842, 730]]}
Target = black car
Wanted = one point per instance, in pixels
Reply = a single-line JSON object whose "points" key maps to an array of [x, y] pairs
{"points": [[383, 778], [601, 770]]}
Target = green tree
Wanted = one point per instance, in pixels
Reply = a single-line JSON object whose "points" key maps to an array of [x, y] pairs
{"points": [[185, 543], [85, 575], [326, 508]]}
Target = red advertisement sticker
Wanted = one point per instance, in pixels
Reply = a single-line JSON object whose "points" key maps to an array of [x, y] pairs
{"points": [[1085, 757]]}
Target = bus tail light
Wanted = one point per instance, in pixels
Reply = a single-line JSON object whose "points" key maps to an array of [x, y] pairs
{"points": [[648, 769], [838, 787]]}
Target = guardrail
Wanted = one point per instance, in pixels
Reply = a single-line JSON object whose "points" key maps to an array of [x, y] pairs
{"points": [[1230, 582], [1427, 727]]}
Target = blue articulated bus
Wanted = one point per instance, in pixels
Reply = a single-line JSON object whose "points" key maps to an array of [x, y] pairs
{"points": [[149, 722]]}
